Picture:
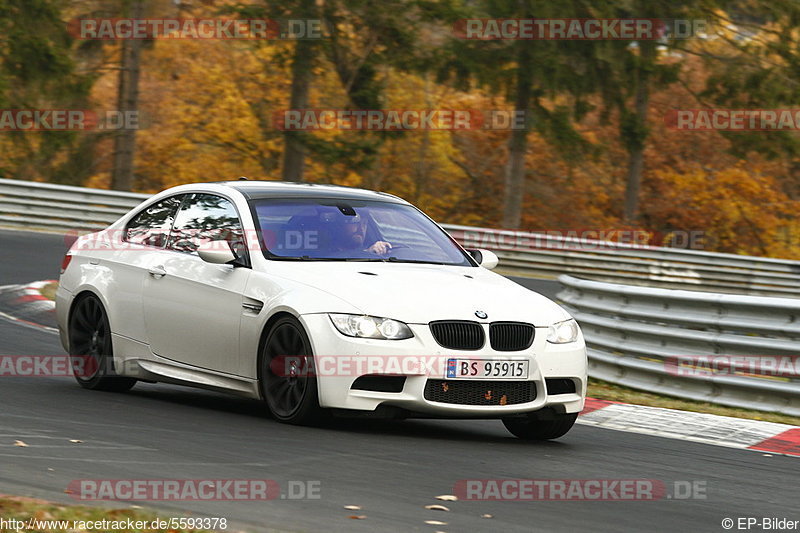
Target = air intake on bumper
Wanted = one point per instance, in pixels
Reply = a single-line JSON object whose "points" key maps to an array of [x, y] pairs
{"points": [[470, 392]]}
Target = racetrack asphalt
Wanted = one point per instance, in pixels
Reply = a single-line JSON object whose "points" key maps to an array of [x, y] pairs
{"points": [[391, 469]]}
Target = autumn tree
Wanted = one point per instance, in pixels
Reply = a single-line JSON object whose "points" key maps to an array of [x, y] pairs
{"points": [[755, 64], [37, 71], [545, 80]]}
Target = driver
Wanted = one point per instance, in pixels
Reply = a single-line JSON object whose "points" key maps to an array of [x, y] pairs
{"points": [[349, 234]]}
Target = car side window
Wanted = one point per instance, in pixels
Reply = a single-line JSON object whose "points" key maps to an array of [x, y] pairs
{"points": [[203, 218], [151, 226]]}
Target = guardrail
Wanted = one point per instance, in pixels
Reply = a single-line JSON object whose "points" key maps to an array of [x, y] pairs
{"points": [[736, 350], [542, 255], [61, 207]]}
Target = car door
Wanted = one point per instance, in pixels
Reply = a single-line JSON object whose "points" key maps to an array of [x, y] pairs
{"points": [[192, 308], [143, 238]]}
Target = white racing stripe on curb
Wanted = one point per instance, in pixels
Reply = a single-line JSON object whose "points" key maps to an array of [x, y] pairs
{"points": [[27, 324], [28, 298], [697, 427]]}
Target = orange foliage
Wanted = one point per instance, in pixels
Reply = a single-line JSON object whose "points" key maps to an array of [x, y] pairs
{"points": [[207, 107]]}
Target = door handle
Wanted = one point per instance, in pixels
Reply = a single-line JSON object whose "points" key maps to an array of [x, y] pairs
{"points": [[157, 271]]}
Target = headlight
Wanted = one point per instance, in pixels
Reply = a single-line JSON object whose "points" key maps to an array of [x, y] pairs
{"points": [[563, 332], [371, 327]]}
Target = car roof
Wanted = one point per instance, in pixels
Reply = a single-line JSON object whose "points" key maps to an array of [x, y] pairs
{"points": [[258, 189]]}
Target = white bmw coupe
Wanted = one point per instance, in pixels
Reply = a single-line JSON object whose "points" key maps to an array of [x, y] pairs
{"points": [[318, 300]]}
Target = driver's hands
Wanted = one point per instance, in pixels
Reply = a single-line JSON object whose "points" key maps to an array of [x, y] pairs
{"points": [[380, 248]]}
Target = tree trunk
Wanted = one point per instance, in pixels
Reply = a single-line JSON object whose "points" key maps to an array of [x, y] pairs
{"points": [[636, 145], [302, 63], [517, 145], [127, 102]]}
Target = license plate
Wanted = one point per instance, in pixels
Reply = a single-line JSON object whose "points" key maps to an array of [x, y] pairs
{"points": [[487, 369]]}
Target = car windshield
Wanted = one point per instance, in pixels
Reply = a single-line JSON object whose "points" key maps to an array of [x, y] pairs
{"points": [[345, 230]]}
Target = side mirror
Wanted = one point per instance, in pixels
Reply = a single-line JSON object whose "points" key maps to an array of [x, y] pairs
{"points": [[485, 258], [216, 252]]}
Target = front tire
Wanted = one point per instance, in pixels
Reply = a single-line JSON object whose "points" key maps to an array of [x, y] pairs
{"points": [[287, 379], [534, 428], [91, 350]]}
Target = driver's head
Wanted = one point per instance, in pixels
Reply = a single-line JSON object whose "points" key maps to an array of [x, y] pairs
{"points": [[350, 232]]}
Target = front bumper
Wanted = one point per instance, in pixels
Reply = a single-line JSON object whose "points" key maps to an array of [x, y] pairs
{"points": [[341, 360]]}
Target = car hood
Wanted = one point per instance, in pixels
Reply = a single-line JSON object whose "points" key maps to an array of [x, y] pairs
{"points": [[420, 293]]}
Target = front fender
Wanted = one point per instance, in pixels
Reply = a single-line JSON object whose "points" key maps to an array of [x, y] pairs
{"points": [[280, 295]]}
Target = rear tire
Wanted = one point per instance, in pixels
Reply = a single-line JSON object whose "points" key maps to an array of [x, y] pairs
{"points": [[532, 428], [91, 350], [291, 396]]}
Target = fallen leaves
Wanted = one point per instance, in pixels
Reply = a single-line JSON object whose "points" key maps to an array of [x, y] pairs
{"points": [[435, 523], [447, 497], [486, 516], [437, 508], [20, 444], [355, 516], [76, 441]]}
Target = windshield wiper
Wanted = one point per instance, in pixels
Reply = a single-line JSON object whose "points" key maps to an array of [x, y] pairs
{"points": [[309, 258], [391, 259], [300, 258]]}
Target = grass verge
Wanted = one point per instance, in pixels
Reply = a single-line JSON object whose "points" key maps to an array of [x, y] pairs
{"points": [[608, 391], [49, 290]]}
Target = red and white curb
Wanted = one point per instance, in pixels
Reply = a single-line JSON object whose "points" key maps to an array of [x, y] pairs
{"points": [[27, 301], [756, 435], [32, 293]]}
